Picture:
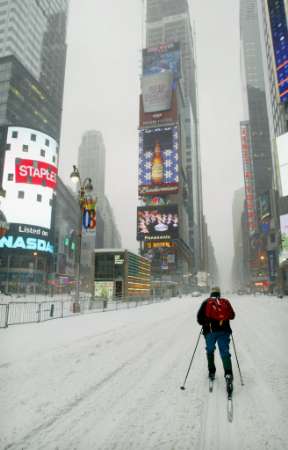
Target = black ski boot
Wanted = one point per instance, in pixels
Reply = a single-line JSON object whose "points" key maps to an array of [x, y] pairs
{"points": [[229, 384], [211, 376], [211, 366]]}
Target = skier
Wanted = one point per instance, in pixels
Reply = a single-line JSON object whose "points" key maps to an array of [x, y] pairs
{"points": [[214, 315]]}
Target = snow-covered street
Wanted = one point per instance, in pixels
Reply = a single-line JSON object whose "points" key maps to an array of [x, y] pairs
{"points": [[111, 381]]}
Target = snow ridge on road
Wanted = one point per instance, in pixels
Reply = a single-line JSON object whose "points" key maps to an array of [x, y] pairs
{"points": [[113, 382]]}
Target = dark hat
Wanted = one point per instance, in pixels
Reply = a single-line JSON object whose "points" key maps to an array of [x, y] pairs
{"points": [[215, 290]]}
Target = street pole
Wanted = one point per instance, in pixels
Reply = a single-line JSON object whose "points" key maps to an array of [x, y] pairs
{"points": [[84, 187], [78, 265]]}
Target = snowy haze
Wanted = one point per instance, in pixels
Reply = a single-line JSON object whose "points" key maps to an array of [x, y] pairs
{"points": [[102, 89], [110, 381]]}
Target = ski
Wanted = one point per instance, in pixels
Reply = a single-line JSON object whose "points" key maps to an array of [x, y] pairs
{"points": [[229, 408], [211, 385]]}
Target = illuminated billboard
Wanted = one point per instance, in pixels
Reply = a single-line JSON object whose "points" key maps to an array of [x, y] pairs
{"points": [[279, 31], [248, 177], [284, 237], [162, 58], [157, 223], [264, 206], [282, 151], [160, 117], [157, 91], [158, 160], [104, 289], [29, 179]]}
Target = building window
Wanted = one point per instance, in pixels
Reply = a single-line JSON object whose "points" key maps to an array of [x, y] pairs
{"points": [[25, 148], [8, 147], [42, 152], [47, 142], [54, 159], [39, 198], [33, 137], [14, 134], [20, 194], [10, 176]]}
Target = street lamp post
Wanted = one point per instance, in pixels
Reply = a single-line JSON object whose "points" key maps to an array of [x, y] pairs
{"points": [[85, 187]]}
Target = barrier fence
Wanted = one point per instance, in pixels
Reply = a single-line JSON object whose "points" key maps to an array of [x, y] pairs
{"points": [[14, 313]]}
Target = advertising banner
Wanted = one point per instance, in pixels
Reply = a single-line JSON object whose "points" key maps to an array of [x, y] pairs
{"points": [[282, 150], [157, 91], [278, 22], [157, 223], [248, 177], [35, 172], [104, 289], [272, 264], [89, 215], [158, 160], [284, 237], [159, 117], [162, 58], [29, 179], [264, 206], [27, 237]]}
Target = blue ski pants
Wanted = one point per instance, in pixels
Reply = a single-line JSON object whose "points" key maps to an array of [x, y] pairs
{"points": [[223, 340]]}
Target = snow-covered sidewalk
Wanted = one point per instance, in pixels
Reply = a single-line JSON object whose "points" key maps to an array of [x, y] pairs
{"points": [[112, 381]]}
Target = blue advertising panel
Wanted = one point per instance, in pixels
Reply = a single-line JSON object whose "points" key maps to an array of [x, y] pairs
{"points": [[162, 58], [279, 31]]}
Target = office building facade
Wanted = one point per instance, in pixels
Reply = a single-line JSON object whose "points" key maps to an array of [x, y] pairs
{"points": [[168, 24], [32, 68]]}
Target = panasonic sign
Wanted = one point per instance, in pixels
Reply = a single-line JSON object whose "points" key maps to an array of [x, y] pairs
{"points": [[28, 243]]}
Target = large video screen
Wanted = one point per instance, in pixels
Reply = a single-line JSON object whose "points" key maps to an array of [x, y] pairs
{"points": [[162, 58], [157, 223], [284, 231], [29, 179], [158, 160], [282, 149], [278, 21], [157, 91]]}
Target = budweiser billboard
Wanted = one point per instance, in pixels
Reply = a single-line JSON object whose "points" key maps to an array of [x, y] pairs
{"points": [[158, 160], [248, 177], [157, 91]]}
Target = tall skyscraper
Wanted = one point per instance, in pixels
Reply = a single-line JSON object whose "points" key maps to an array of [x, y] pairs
{"points": [[91, 164], [258, 162], [32, 63], [168, 22], [32, 68], [255, 87], [91, 160], [273, 15]]}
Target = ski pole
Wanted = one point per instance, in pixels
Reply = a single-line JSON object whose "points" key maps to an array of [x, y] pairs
{"points": [[241, 379], [183, 386]]}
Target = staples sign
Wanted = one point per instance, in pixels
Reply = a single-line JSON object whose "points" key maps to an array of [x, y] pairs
{"points": [[35, 172]]}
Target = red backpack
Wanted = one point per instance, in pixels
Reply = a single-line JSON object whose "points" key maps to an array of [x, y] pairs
{"points": [[218, 309]]}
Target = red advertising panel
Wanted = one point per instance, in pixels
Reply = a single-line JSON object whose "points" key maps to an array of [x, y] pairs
{"points": [[248, 177], [35, 172]]}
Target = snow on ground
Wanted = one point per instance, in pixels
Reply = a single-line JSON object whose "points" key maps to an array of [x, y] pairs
{"points": [[111, 381]]}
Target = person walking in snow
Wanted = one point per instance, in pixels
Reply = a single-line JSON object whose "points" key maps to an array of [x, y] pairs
{"points": [[214, 316]]}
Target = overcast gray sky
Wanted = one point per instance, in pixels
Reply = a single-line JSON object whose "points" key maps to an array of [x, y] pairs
{"points": [[101, 92]]}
